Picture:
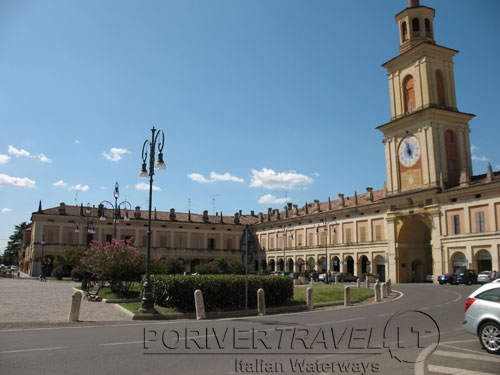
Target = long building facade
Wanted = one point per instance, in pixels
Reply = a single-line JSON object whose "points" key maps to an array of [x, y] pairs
{"points": [[433, 215]]}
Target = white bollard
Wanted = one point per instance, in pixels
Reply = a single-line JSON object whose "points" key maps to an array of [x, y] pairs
{"points": [[261, 302], [309, 299], [367, 282], [200, 306], [76, 301], [389, 287], [384, 290], [358, 282], [376, 290], [336, 279]]}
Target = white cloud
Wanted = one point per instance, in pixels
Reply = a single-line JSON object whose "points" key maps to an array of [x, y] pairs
{"points": [[5, 210], [479, 158], [474, 148], [269, 179], [79, 188], [115, 154], [60, 183], [145, 186], [271, 199], [225, 177], [16, 181], [4, 158], [315, 174], [18, 153], [214, 177], [77, 141]]}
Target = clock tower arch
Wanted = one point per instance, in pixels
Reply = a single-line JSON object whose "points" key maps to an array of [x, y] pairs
{"points": [[427, 140]]}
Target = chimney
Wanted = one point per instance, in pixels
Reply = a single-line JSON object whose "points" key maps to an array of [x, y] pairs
{"points": [[137, 213], [413, 3], [240, 213], [221, 218], [155, 216], [277, 214], [369, 190], [385, 189], [216, 214], [464, 178], [62, 208], [40, 207], [286, 211], [269, 214], [189, 215], [289, 204], [296, 210], [236, 218], [306, 209], [252, 213], [489, 174], [316, 206], [205, 216], [341, 200], [261, 217], [81, 209], [329, 204], [355, 198], [172, 214]]}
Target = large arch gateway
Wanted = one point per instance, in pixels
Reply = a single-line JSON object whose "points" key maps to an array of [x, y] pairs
{"points": [[414, 250]]}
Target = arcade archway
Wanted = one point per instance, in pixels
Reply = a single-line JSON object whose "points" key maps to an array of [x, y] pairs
{"points": [[414, 251], [336, 264], [483, 261], [350, 265], [289, 265]]}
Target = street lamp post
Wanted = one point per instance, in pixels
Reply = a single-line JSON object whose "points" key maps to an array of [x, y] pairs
{"points": [[157, 137], [89, 229], [326, 222], [42, 273], [116, 209]]}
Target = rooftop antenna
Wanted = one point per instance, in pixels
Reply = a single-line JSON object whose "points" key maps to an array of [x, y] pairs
{"points": [[189, 204], [76, 198], [213, 201]]}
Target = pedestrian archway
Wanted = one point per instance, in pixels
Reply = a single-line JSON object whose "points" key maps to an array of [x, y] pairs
{"points": [[336, 264], [350, 264], [458, 262], [311, 264], [281, 265], [363, 265], [272, 265], [482, 260], [380, 264], [414, 251], [290, 265]]}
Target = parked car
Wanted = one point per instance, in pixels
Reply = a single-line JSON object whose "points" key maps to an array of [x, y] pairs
{"points": [[448, 278], [482, 316], [13, 268], [346, 277], [484, 277], [322, 277], [429, 278], [468, 277]]}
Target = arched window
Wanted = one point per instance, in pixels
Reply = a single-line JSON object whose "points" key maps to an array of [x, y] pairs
{"points": [[409, 94], [440, 88], [404, 31], [427, 27], [415, 23]]}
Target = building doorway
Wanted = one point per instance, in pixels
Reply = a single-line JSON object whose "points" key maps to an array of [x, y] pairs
{"points": [[380, 263], [350, 265], [336, 264], [414, 251], [483, 261]]}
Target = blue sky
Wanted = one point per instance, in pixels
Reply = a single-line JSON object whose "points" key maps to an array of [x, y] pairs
{"points": [[260, 100]]}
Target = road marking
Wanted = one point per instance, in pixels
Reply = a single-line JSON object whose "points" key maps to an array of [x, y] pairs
{"points": [[420, 361], [29, 350], [457, 342], [466, 356], [438, 305], [425, 308], [455, 371], [122, 343], [463, 349], [385, 314]]}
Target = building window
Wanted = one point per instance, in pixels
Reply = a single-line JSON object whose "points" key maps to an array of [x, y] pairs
{"points": [[109, 238], [480, 227], [440, 88], [362, 234], [348, 235], [310, 239], [197, 242], [271, 243], [299, 240], [70, 238], [50, 237], [378, 233], [456, 224], [144, 241], [211, 243], [428, 27], [453, 165], [163, 241], [229, 243], [409, 94], [179, 242]]}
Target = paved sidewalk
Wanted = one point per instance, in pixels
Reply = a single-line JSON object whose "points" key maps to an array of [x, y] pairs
{"points": [[30, 300]]}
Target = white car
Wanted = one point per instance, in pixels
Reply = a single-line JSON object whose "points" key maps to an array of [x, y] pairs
{"points": [[482, 316]]}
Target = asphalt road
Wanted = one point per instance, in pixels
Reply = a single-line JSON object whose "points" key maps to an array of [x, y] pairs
{"points": [[417, 333]]}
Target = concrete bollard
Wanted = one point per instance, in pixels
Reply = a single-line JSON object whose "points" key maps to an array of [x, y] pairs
{"points": [[309, 299], [389, 287], [76, 301], [336, 279], [384, 290], [376, 290], [367, 283], [347, 296], [261, 302], [200, 306], [358, 282]]}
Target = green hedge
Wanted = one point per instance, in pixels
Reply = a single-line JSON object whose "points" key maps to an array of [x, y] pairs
{"points": [[220, 292]]}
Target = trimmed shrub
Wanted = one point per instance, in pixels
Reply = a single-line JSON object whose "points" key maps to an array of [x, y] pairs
{"points": [[58, 272], [220, 292]]}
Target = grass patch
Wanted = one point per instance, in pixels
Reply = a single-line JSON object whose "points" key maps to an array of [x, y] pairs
{"points": [[135, 306], [63, 279], [329, 293], [133, 293]]}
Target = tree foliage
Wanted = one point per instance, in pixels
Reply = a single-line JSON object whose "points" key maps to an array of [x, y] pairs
{"points": [[14, 244]]}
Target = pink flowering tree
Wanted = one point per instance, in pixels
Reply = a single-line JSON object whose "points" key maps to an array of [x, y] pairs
{"points": [[117, 262]]}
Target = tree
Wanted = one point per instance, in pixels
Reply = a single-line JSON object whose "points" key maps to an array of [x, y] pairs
{"points": [[14, 244]]}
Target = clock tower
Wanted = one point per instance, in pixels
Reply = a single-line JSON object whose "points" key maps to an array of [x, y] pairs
{"points": [[427, 140]]}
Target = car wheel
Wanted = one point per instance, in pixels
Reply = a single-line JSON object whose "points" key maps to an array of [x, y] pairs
{"points": [[489, 336]]}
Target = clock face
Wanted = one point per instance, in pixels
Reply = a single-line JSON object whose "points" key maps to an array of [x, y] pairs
{"points": [[409, 151]]}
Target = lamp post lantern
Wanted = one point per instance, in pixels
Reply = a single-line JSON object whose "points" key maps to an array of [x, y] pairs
{"points": [[157, 138], [116, 209]]}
